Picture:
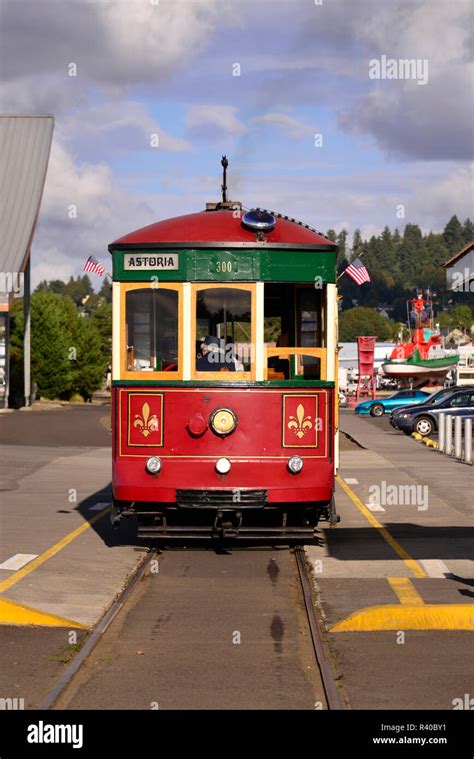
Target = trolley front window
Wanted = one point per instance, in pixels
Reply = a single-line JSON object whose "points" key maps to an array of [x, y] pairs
{"points": [[152, 330], [224, 338]]}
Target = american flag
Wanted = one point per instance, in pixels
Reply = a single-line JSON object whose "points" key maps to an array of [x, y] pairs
{"points": [[357, 271], [93, 265]]}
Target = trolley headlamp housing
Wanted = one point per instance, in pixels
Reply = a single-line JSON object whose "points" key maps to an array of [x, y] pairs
{"points": [[223, 421]]}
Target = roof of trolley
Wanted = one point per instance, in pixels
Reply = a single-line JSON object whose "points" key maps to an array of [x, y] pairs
{"points": [[222, 227]]}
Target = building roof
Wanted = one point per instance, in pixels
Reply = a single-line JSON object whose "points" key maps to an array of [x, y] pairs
{"points": [[25, 143], [459, 255], [213, 228]]}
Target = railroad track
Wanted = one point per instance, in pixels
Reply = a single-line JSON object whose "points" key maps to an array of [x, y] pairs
{"points": [[96, 634], [324, 669], [327, 676]]}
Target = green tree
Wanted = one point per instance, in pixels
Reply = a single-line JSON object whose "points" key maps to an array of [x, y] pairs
{"points": [[453, 235], [444, 319], [341, 240], [53, 286], [411, 254], [361, 321], [50, 342], [468, 232], [331, 234], [87, 360], [90, 363], [356, 243], [78, 288], [106, 291], [102, 318], [462, 318]]}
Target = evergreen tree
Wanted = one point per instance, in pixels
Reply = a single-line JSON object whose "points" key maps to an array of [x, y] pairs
{"points": [[106, 290], [410, 254], [331, 234], [341, 240], [54, 286], [78, 288], [468, 232], [356, 243], [453, 235]]}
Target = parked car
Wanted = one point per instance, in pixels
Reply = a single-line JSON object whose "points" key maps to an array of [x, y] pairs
{"points": [[424, 418], [434, 398], [383, 406]]}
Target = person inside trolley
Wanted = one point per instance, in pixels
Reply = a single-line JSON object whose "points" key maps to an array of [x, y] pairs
{"points": [[214, 358]]}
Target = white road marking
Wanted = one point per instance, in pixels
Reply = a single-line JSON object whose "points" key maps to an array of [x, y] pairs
{"points": [[435, 567], [99, 506], [374, 507], [18, 560], [351, 481]]}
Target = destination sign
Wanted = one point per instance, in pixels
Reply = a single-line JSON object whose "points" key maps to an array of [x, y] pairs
{"points": [[160, 261]]}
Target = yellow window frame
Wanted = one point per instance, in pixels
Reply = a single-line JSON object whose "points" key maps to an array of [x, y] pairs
{"points": [[219, 375], [144, 375], [283, 353]]}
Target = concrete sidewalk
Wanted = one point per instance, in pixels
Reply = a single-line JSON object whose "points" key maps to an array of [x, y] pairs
{"points": [[40, 513], [446, 478]]}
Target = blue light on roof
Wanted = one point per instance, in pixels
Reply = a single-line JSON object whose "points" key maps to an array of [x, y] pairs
{"points": [[259, 220]]}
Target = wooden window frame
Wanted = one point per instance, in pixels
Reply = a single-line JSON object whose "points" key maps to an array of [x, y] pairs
{"points": [[147, 375], [223, 375]]}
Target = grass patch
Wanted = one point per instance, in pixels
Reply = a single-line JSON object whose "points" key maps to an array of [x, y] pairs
{"points": [[67, 653]]}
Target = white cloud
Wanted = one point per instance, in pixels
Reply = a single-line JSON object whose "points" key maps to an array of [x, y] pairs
{"points": [[105, 210], [288, 124], [204, 120], [117, 125]]}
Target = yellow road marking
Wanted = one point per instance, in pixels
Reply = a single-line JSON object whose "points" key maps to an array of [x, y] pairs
{"points": [[412, 565], [12, 613], [17, 576], [405, 591], [411, 613], [406, 617]]}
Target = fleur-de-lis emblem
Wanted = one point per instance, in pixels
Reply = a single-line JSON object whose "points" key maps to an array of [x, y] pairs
{"points": [[300, 424], [145, 422]]}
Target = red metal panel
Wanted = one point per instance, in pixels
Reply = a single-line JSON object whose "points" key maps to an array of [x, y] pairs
{"points": [[264, 428], [315, 482], [271, 427]]}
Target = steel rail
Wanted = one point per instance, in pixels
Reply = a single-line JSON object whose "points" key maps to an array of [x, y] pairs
{"points": [[327, 676], [97, 633]]}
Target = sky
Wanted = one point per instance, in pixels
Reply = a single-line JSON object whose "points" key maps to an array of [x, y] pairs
{"points": [[148, 94]]}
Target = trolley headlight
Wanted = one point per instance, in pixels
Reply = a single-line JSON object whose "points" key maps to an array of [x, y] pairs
{"points": [[223, 465], [223, 421], [153, 465], [295, 464]]}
